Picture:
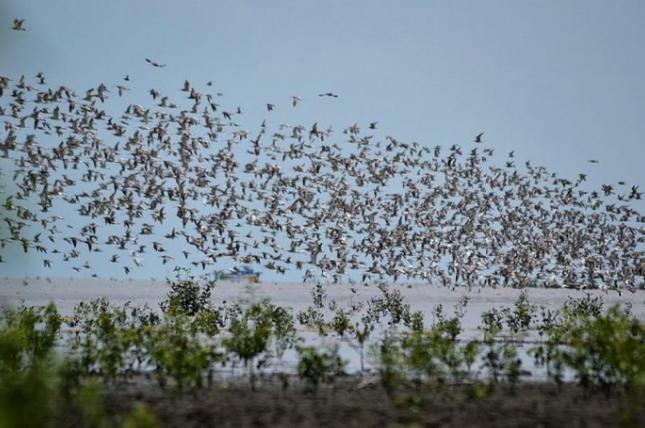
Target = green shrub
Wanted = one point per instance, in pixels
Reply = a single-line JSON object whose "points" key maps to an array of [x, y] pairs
{"points": [[110, 340], [492, 324], [252, 330], [605, 350], [414, 321], [175, 353], [313, 318], [284, 329], [319, 366], [362, 331], [115, 342], [432, 357], [188, 297], [341, 323], [28, 394], [28, 335], [501, 363], [32, 386], [518, 319]]}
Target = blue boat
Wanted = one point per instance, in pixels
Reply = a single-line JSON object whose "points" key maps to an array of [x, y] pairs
{"points": [[237, 274]]}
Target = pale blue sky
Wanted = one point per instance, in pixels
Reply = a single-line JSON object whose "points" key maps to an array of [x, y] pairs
{"points": [[559, 82]]}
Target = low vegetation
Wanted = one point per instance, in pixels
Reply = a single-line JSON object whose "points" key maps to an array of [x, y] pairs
{"points": [[63, 363]]}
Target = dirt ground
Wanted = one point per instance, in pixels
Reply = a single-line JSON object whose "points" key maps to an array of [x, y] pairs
{"points": [[355, 402]]}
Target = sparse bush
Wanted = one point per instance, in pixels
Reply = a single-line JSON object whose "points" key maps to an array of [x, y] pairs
{"points": [[28, 335], [518, 319], [176, 353], [492, 324], [415, 321], [391, 305], [362, 331], [313, 318], [391, 363], [341, 323], [319, 366], [284, 329], [110, 340], [432, 357], [605, 350], [252, 330], [188, 297], [319, 296], [584, 307], [450, 326], [501, 362], [28, 385]]}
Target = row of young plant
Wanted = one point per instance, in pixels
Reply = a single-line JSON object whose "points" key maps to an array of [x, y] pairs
{"points": [[599, 348], [38, 388], [181, 345]]}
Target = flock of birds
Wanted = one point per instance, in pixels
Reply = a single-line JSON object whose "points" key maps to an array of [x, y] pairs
{"points": [[193, 188]]}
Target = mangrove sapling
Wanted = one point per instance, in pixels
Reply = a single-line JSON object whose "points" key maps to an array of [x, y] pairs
{"points": [[549, 319], [28, 390], [32, 393], [546, 352], [583, 307], [554, 328], [501, 363], [362, 331], [450, 326], [391, 362], [519, 318], [106, 341], [251, 332], [229, 311], [437, 357], [284, 329], [313, 318], [391, 305], [319, 366], [415, 321], [319, 295], [188, 297], [605, 351], [207, 321], [177, 354], [460, 306], [492, 324], [437, 314], [249, 338], [341, 323], [37, 330]]}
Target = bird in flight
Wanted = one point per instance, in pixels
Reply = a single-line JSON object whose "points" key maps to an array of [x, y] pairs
{"points": [[155, 64], [270, 107], [478, 138], [295, 100], [18, 25], [328, 94], [593, 161], [121, 89]]}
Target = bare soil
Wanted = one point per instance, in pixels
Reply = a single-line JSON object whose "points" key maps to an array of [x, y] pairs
{"points": [[355, 402]]}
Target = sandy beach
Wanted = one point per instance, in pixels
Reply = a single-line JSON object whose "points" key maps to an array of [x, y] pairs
{"points": [[66, 293]]}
